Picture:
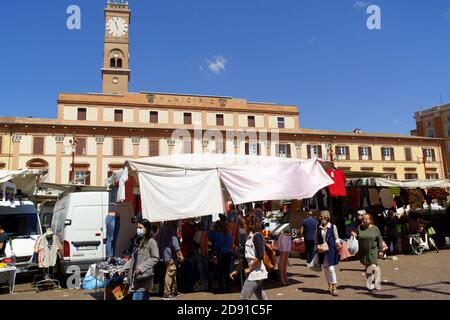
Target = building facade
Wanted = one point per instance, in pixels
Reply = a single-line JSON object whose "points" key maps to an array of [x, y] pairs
{"points": [[435, 123], [116, 125]]}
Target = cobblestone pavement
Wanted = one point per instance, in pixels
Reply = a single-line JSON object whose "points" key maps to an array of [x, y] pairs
{"points": [[425, 277]]}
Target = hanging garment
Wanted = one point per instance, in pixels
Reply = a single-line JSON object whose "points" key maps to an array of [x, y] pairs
{"points": [[416, 199], [48, 251], [364, 199], [354, 199], [325, 198], [374, 196], [386, 198], [338, 188]]}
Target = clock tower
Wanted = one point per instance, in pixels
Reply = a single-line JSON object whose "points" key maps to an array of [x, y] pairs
{"points": [[116, 71]]}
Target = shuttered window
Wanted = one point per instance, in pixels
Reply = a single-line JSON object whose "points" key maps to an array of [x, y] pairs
{"points": [[281, 124], [188, 118], [81, 114], [38, 145], [153, 148], [118, 147], [81, 146], [1, 145], [219, 119], [251, 121], [153, 116], [118, 115], [408, 154]]}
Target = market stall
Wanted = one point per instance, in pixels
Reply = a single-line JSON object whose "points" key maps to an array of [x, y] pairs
{"points": [[189, 185]]}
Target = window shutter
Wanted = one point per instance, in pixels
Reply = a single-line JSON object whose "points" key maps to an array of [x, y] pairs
{"points": [[408, 155], [81, 114], [81, 146], [288, 151], [153, 148], [219, 119], [336, 149], [118, 147], [370, 153], [118, 115], [153, 116], [247, 149], [251, 121], [382, 154], [347, 153], [188, 118], [360, 153], [259, 149], [392, 154], [38, 145], [320, 152], [1, 144], [433, 155], [308, 149]]}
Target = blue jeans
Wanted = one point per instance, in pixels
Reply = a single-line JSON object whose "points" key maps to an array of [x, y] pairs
{"points": [[140, 296], [112, 232]]}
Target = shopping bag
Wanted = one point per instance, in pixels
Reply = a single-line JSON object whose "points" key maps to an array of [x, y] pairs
{"points": [[431, 231], [353, 246], [314, 265]]}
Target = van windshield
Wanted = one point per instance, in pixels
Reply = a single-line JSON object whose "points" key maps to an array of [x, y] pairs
{"points": [[20, 225]]}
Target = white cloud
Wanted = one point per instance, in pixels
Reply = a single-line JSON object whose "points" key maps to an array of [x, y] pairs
{"points": [[312, 40], [217, 65], [361, 4]]}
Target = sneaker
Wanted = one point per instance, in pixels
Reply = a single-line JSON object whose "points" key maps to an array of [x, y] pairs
{"points": [[334, 292], [170, 297], [178, 294]]}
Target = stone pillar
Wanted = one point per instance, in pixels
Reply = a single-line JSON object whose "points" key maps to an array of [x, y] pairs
{"points": [[59, 139]]}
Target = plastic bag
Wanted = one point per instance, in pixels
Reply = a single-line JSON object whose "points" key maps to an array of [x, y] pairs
{"points": [[90, 282], [314, 265], [353, 246]]}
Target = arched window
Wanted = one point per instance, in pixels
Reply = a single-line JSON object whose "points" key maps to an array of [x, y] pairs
{"points": [[113, 63], [37, 164], [119, 63]]}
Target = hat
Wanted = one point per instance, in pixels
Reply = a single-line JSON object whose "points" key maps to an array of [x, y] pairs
{"points": [[361, 212]]}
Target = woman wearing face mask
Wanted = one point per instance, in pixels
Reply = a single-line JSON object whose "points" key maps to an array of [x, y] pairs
{"points": [[139, 268], [370, 249], [327, 245]]}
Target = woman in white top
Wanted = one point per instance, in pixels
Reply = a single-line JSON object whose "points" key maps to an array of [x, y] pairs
{"points": [[254, 255], [327, 233]]}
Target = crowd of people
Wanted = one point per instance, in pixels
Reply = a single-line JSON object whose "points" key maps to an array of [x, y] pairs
{"points": [[198, 254]]}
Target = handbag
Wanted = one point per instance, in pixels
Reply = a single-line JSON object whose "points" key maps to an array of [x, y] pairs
{"points": [[323, 248], [315, 265]]}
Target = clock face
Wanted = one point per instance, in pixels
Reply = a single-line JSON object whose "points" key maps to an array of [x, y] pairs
{"points": [[117, 27]]}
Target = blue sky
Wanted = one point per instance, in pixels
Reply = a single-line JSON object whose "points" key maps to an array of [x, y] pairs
{"points": [[318, 55]]}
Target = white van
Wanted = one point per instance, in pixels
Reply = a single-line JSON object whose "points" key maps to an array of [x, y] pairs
{"points": [[20, 221], [79, 222]]}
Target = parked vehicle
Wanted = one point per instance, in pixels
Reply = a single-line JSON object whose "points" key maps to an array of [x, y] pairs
{"points": [[79, 222], [20, 221]]}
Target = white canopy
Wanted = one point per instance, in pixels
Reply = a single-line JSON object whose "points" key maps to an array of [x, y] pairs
{"points": [[25, 180], [188, 185], [382, 182]]}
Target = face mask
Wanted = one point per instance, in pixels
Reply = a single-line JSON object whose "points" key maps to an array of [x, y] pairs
{"points": [[323, 222], [140, 232]]}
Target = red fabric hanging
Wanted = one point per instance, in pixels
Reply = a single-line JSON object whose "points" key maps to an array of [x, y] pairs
{"points": [[338, 188]]}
